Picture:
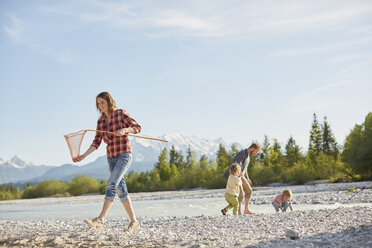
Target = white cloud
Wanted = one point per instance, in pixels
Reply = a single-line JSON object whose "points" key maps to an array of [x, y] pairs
{"points": [[220, 18], [352, 68], [20, 32], [348, 57], [315, 99], [16, 30], [311, 93], [64, 57], [325, 48]]}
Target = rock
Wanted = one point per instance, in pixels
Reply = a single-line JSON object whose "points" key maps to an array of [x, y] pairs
{"points": [[292, 234]]}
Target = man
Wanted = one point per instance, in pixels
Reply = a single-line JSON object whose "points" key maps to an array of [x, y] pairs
{"points": [[242, 158]]}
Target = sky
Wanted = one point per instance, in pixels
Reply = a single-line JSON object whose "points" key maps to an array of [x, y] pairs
{"points": [[238, 70]]}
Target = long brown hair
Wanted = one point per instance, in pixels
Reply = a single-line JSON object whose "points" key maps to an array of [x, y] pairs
{"points": [[110, 101]]}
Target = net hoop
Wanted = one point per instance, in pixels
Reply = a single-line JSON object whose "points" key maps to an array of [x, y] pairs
{"points": [[68, 141]]}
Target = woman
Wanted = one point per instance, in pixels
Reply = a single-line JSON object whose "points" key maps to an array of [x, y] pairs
{"points": [[119, 156]]}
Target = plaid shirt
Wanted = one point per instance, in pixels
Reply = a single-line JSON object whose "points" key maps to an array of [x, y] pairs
{"points": [[116, 145]]}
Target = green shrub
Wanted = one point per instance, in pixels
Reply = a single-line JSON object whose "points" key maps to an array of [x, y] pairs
{"points": [[45, 188], [102, 187], [262, 175], [9, 192], [82, 185], [299, 174], [29, 192]]}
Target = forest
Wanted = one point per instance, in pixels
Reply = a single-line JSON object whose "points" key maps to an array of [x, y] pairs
{"points": [[324, 159]]}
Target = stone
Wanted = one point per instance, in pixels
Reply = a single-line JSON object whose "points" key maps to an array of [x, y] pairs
{"points": [[292, 234]]}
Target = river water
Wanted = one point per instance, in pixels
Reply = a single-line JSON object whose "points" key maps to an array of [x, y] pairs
{"points": [[145, 208]]}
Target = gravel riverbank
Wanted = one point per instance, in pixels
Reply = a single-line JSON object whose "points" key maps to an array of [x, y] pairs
{"points": [[346, 227]]}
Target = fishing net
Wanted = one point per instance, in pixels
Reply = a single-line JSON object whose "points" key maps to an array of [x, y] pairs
{"points": [[74, 142]]}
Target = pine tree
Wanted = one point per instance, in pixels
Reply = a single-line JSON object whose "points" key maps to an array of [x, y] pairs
{"points": [[165, 169], [234, 151], [315, 143], [190, 157], [223, 158], [269, 157], [175, 157], [329, 143], [203, 162], [172, 155], [162, 159], [278, 152], [292, 152], [358, 149], [265, 149]]}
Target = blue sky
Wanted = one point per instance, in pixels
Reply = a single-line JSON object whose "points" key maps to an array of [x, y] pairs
{"points": [[231, 69]]}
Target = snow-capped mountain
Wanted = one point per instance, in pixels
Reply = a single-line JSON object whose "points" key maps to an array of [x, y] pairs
{"points": [[17, 169], [148, 150], [19, 163], [145, 155]]}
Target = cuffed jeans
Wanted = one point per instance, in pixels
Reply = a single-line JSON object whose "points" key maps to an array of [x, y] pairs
{"points": [[116, 183], [284, 205]]}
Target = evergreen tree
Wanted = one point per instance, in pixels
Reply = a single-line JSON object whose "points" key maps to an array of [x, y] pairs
{"points": [[190, 157], [315, 143], [163, 158], [234, 151], [179, 160], [292, 152], [269, 157], [264, 150], [174, 171], [175, 157], [155, 181], [172, 155], [223, 158], [357, 151], [203, 162], [329, 143], [278, 152], [165, 171]]}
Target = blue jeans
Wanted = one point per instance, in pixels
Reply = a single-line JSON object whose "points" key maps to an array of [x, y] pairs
{"points": [[116, 183], [284, 205]]}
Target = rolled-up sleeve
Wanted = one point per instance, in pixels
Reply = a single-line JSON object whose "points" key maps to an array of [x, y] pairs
{"points": [[97, 139], [130, 122]]}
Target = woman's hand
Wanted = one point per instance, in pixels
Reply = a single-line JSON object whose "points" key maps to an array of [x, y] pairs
{"points": [[122, 132], [78, 158]]}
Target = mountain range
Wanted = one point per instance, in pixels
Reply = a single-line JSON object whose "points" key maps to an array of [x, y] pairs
{"points": [[145, 155]]}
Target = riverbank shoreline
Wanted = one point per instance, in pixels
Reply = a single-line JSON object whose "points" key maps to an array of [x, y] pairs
{"points": [[343, 226]]}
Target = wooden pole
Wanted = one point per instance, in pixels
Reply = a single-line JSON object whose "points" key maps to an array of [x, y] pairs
{"points": [[132, 135]]}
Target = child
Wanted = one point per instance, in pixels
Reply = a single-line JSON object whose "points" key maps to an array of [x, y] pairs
{"points": [[232, 189], [283, 201]]}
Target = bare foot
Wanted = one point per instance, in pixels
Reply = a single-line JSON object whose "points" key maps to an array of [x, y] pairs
{"points": [[247, 212]]}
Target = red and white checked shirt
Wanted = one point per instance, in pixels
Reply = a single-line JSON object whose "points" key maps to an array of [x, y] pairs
{"points": [[116, 145]]}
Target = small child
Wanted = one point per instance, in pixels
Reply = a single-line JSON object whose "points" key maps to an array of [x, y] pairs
{"points": [[232, 189], [283, 201]]}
